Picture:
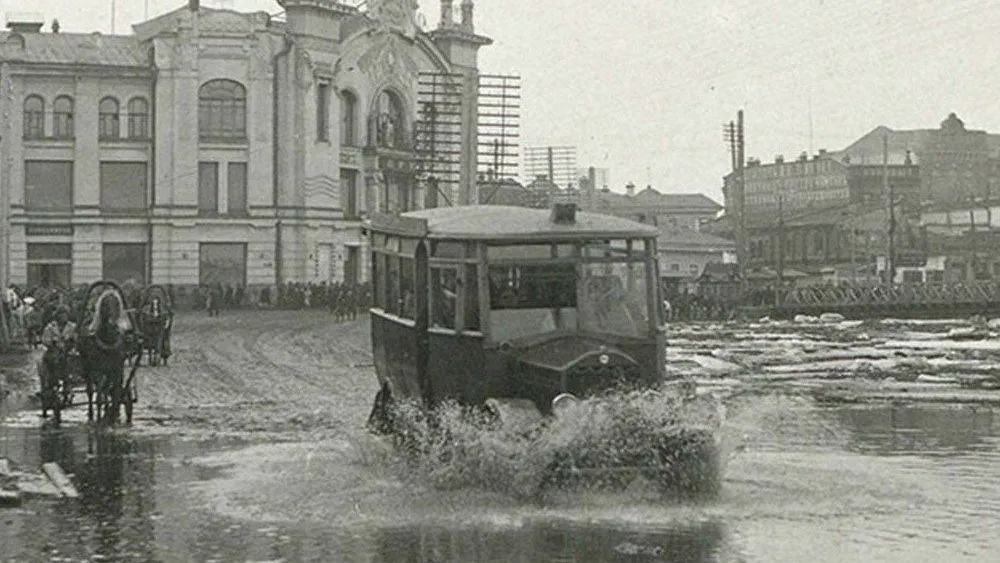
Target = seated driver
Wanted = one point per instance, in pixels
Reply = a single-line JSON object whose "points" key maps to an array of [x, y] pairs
{"points": [[58, 337]]}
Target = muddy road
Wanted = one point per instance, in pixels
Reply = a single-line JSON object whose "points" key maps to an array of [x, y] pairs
{"points": [[250, 446], [271, 375]]}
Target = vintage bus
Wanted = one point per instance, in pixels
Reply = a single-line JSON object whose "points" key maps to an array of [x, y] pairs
{"points": [[478, 302]]}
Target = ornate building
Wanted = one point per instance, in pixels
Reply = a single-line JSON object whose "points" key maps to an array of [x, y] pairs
{"points": [[218, 146]]}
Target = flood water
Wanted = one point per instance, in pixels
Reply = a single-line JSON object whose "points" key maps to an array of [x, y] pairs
{"points": [[872, 483]]}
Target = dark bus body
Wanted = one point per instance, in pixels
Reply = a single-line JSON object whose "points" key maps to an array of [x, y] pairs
{"points": [[480, 302]]}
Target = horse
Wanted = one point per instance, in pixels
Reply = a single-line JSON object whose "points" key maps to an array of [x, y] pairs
{"points": [[106, 341]]}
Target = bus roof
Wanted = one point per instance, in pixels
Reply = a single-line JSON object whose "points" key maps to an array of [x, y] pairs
{"points": [[508, 223]]}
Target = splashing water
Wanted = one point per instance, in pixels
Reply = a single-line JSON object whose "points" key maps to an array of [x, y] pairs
{"points": [[605, 441]]}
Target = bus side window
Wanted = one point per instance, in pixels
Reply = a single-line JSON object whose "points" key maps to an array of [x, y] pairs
{"points": [[444, 293], [393, 297], [471, 297], [408, 309]]}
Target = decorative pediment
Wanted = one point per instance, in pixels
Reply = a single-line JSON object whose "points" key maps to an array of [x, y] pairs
{"points": [[208, 21], [387, 55], [395, 15], [226, 21]]}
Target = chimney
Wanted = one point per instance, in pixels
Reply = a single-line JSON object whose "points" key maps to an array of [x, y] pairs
{"points": [[447, 13], [630, 189], [563, 213], [194, 5], [25, 23], [467, 14]]}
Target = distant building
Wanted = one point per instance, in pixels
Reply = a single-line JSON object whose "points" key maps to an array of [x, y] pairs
{"points": [[667, 211], [685, 253], [923, 166]]}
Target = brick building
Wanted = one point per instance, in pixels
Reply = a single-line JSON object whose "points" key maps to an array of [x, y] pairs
{"points": [[218, 146]]}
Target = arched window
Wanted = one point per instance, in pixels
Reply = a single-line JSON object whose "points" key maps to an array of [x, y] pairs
{"points": [[34, 117], [62, 118], [388, 122], [138, 118], [348, 119], [222, 111], [108, 120]]}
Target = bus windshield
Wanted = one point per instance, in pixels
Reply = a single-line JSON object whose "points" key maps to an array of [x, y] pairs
{"points": [[537, 298]]}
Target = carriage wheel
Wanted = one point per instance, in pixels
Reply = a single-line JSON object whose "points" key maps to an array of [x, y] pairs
{"points": [[129, 399], [55, 401], [67, 394]]}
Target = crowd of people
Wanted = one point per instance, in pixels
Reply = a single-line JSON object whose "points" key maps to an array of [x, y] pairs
{"points": [[345, 300]]}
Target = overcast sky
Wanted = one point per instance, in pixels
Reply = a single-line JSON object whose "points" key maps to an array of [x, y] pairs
{"points": [[643, 86]]}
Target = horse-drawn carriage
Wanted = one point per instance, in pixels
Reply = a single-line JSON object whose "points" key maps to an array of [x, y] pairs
{"points": [[155, 317], [94, 356]]}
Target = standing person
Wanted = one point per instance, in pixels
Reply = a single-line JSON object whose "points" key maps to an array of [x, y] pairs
{"points": [[240, 294], [352, 301], [228, 300]]}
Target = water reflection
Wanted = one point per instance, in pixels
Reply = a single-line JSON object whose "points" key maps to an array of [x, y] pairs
{"points": [[927, 430], [136, 502], [555, 542]]}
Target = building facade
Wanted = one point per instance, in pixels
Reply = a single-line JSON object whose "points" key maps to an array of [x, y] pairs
{"points": [[923, 166], [218, 146]]}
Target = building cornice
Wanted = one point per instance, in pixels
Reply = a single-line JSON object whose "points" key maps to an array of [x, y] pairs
{"points": [[460, 35], [27, 68]]}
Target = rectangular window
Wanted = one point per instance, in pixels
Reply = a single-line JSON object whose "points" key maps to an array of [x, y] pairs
{"points": [[471, 297], [322, 112], [348, 109], [107, 126], [382, 268], [138, 120], [407, 291], [236, 189], [393, 298], [351, 264], [124, 261], [49, 264], [208, 189], [34, 124], [48, 185], [444, 294], [349, 193], [222, 263], [123, 187], [62, 125]]}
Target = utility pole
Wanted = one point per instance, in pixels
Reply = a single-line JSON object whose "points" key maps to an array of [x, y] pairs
{"points": [[972, 233], [888, 191], [781, 251], [733, 135]]}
